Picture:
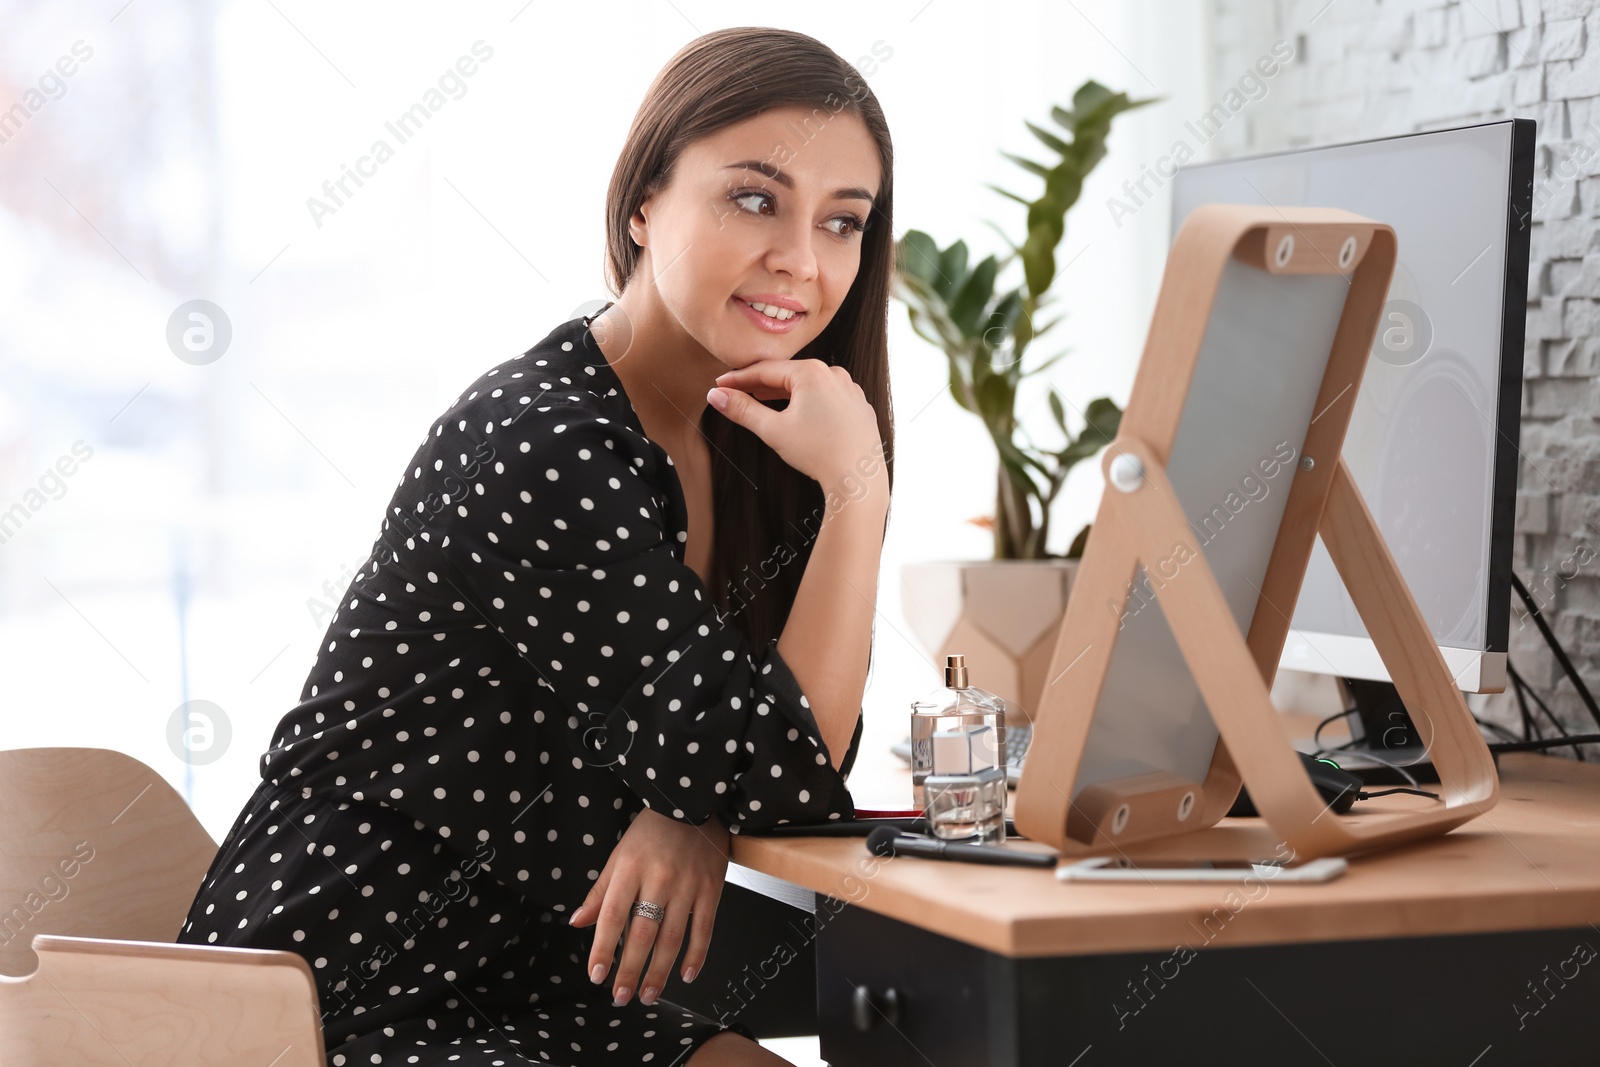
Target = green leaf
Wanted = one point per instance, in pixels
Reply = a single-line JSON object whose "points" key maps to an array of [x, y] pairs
{"points": [[1097, 120], [1090, 95], [920, 327], [918, 255], [913, 289], [1059, 412], [1046, 327], [1046, 471], [1022, 331], [974, 296], [1016, 466], [1051, 361], [1029, 165], [1024, 201], [1075, 550], [995, 400], [1048, 138], [1064, 187], [1038, 261], [1004, 315], [961, 388], [1081, 449], [980, 369], [952, 270], [1045, 216], [930, 315], [1094, 151], [951, 338], [1102, 419]]}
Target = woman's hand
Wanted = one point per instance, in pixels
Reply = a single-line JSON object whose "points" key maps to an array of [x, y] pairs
{"points": [[667, 862], [828, 430]]}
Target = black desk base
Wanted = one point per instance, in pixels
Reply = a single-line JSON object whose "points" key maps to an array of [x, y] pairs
{"points": [[889, 993]]}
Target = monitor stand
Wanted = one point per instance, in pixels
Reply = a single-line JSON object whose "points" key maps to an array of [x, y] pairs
{"points": [[1382, 733]]}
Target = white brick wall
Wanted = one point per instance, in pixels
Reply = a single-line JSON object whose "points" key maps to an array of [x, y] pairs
{"points": [[1368, 68]]}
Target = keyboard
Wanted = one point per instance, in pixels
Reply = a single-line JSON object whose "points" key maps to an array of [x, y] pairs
{"points": [[1018, 737]]}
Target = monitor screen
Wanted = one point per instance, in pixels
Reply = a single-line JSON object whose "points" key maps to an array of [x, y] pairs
{"points": [[1432, 437]]}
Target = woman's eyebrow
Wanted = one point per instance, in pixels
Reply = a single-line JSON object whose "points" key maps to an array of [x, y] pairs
{"points": [[852, 193]]}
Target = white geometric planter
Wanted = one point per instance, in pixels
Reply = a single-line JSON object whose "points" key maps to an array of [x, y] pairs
{"points": [[1001, 614]]}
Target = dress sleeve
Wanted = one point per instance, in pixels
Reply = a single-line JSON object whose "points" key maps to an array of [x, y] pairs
{"points": [[562, 546]]}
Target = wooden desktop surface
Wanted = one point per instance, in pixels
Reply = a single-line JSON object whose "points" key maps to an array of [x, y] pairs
{"points": [[1531, 862]]}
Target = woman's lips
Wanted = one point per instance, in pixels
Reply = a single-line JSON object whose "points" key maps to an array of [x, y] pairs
{"points": [[766, 322]]}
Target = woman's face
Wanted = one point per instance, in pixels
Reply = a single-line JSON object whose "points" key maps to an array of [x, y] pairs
{"points": [[768, 207]]}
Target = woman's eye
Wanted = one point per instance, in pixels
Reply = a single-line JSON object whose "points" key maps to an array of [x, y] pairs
{"points": [[736, 197], [857, 224]]}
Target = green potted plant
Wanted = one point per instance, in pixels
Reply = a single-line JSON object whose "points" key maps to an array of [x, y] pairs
{"points": [[1003, 613]]}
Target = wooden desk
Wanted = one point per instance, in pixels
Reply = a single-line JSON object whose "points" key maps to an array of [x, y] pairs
{"points": [[1479, 948]]}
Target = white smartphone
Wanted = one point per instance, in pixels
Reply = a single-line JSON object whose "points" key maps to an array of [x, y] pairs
{"points": [[1117, 869]]}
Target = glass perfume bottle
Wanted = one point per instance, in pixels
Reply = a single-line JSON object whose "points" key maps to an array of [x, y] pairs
{"points": [[967, 807], [955, 704]]}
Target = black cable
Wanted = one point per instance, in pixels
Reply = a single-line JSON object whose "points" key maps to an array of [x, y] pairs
{"points": [[1555, 647], [1316, 735], [1374, 757], [1514, 745], [1398, 789], [1497, 728], [1549, 742], [1524, 689], [1541, 705], [1316, 740], [1530, 729]]}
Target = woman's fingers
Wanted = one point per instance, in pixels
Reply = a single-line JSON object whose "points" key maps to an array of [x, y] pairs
{"points": [[637, 941], [745, 410], [775, 379], [758, 390], [827, 426], [608, 929], [668, 940], [585, 913], [774, 376], [705, 913]]}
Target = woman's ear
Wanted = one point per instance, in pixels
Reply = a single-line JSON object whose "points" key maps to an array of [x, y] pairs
{"points": [[639, 226]]}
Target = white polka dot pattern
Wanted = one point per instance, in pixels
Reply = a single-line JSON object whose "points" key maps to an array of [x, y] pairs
{"points": [[523, 663], [621, 632]]}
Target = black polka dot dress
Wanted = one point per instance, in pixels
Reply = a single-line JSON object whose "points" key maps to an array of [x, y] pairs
{"points": [[522, 665]]}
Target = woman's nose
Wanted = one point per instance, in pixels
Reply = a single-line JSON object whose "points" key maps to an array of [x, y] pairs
{"points": [[792, 251]]}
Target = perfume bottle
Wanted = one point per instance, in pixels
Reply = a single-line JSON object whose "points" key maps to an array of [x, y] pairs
{"points": [[967, 807], [953, 706]]}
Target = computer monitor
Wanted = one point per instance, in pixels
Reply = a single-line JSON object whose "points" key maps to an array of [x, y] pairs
{"points": [[1432, 442]]}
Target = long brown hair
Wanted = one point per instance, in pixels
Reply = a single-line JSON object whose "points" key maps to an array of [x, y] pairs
{"points": [[764, 533]]}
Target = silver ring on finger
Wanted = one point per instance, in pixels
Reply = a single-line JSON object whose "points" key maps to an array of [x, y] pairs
{"points": [[654, 912]]}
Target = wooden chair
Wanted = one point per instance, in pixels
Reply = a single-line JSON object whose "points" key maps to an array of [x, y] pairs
{"points": [[99, 861]]}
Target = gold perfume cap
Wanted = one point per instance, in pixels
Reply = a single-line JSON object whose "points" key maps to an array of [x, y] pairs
{"points": [[955, 671]]}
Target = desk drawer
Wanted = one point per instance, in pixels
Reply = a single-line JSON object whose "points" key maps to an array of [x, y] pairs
{"points": [[892, 993]]}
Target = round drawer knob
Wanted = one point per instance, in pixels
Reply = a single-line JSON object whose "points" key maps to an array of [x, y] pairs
{"points": [[867, 1008]]}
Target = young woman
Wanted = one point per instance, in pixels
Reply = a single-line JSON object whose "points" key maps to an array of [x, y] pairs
{"points": [[620, 607]]}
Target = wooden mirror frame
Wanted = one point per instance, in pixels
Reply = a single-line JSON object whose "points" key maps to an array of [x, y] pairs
{"points": [[1234, 672]]}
